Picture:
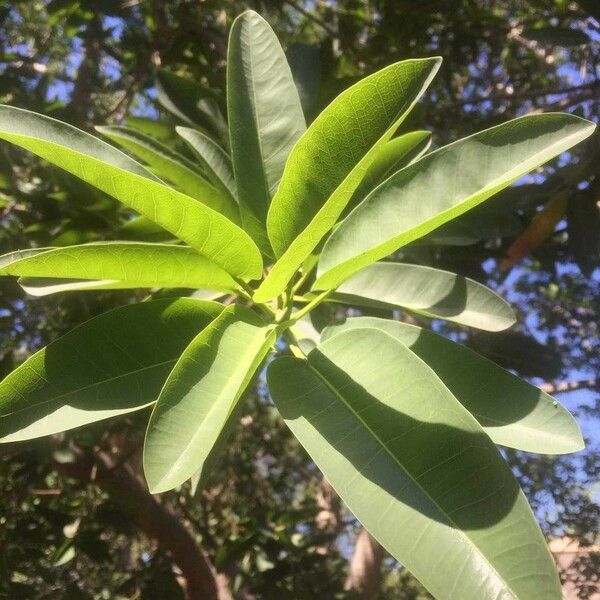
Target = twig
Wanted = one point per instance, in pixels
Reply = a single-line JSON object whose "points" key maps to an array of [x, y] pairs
{"points": [[332, 32], [531, 93], [570, 386]]}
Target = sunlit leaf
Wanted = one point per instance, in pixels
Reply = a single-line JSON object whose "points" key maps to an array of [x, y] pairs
{"points": [[113, 172], [512, 412], [173, 167], [329, 161], [392, 156], [128, 264], [443, 185], [110, 365], [201, 394], [415, 467]]}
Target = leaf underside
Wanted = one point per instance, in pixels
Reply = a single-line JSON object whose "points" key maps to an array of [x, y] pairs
{"points": [[414, 467], [512, 412], [112, 364], [200, 395], [441, 186], [430, 292]]}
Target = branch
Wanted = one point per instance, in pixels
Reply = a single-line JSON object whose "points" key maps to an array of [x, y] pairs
{"points": [[87, 73], [591, 85], [154, 519], [570, 386], [312, 17], [364, 572]]}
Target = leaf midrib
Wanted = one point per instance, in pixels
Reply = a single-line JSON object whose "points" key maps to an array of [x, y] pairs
{"points": [[455, 210], [241, 236], [88, 387], [253, 109], [240, 367], [401, 466]]}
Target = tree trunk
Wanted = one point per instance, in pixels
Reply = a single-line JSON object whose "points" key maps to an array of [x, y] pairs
{"points": [[364, 572]]}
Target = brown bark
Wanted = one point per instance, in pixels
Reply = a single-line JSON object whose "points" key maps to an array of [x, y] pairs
{"points": [[87, 73], [154, 519], [364, 572]]}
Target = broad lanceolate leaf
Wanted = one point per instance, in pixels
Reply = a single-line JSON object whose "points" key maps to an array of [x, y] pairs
{"points": [[414, 467], [190, 101], [113, 172], [128, 264], [201, 394], [329, 161], [173, 167], [430, 292], [215, 160], [265, 114], [443, 185], [112, 364], [512, 412]]}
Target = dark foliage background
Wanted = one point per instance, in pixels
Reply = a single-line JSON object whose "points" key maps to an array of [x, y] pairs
{"points": [[74, 520]]}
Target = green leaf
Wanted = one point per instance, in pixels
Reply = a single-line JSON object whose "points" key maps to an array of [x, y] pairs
{"points": [[190, 101], [265, 115], [173, 167], [430, 292], [512, 412], [46, 286], [200, 395], [414, 467], [127, 264], [113, 172], [214, 159], [331, 158], [143, 229], [110, 365], [158, 130], [305, 64], [8, 259], [443, 185], [392, 156]]}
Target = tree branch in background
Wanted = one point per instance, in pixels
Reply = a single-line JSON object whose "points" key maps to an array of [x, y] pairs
{"points": [[531, 94], [312, 17], [154, 519], [87, 74], [364, 571], [571, 386]]}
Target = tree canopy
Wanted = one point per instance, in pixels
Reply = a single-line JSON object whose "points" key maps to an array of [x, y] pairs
{"points": [[74, 515]]}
